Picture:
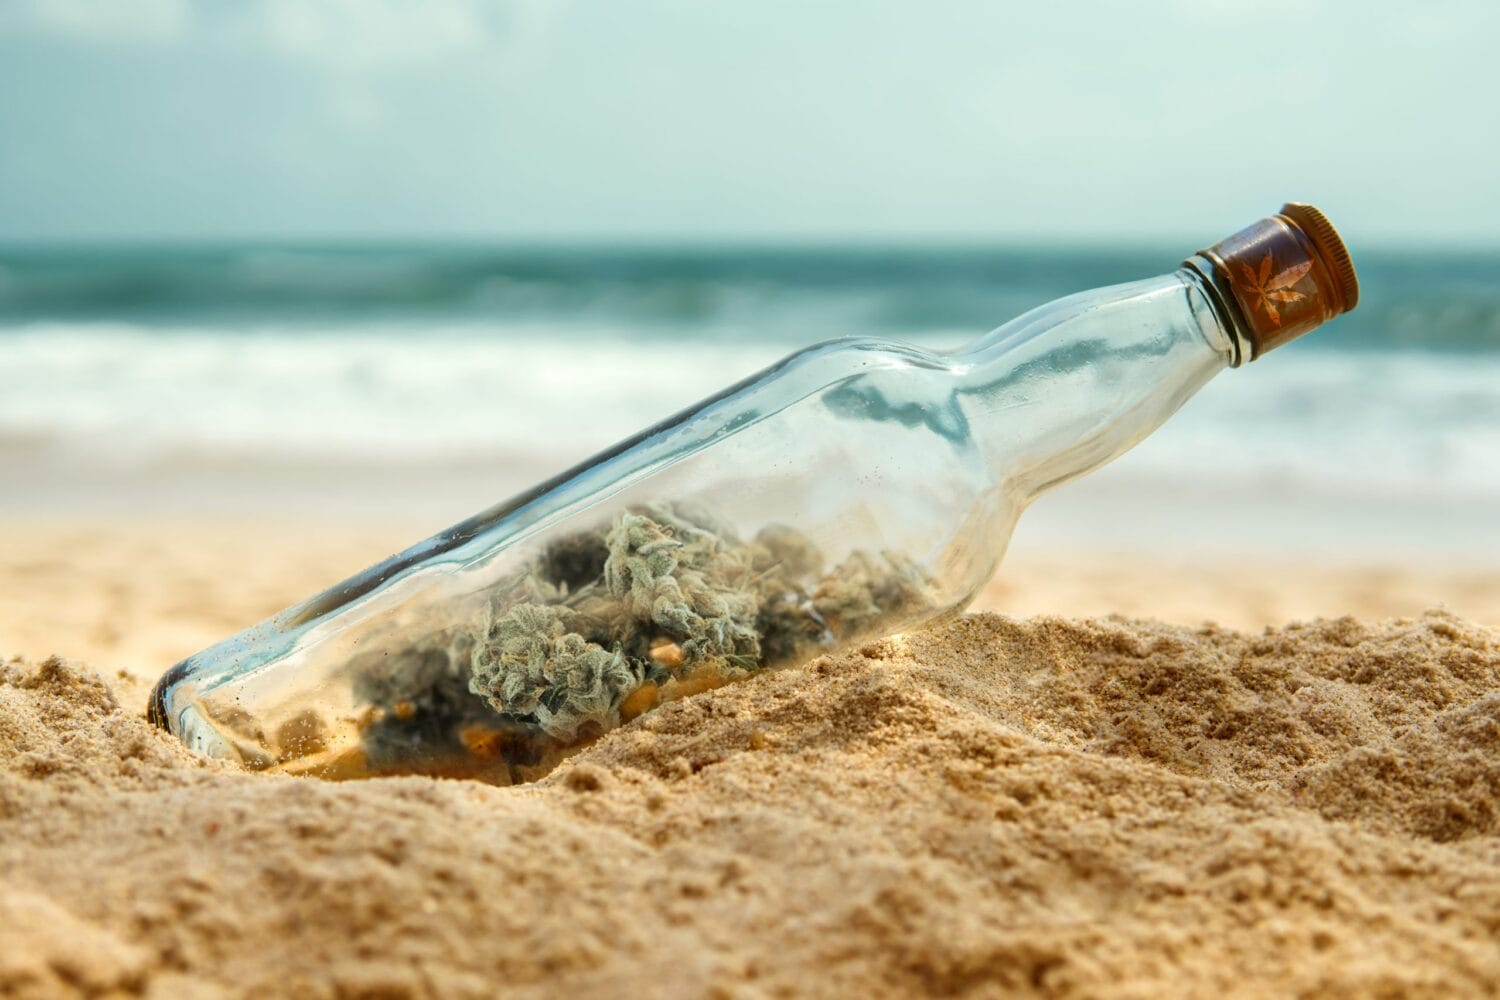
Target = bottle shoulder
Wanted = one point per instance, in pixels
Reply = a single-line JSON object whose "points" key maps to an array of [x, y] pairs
{"points": [[847, 356]]}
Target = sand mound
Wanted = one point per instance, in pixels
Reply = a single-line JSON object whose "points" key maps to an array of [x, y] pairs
{"points": [[994, 807], [1396, 726]]}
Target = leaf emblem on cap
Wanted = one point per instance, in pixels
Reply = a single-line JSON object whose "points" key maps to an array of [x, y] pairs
{"points": [[1267, 290]]}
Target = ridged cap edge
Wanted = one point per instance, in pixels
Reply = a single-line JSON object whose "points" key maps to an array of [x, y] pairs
{"points": [[1331, 248]]}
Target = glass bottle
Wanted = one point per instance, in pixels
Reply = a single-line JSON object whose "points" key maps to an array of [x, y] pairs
{"points": [[854, 489]]}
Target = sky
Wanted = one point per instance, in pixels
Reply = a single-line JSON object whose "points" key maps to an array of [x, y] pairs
{"points": [[764, 120]]}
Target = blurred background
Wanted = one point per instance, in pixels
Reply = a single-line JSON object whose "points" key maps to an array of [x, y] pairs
{"points": [[288, 285]]}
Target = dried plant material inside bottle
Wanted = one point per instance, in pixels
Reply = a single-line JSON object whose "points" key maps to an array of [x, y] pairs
{"points": [[664, 601]]}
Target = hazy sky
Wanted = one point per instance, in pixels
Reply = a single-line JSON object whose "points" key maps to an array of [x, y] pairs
{"points": [[763, 119]]}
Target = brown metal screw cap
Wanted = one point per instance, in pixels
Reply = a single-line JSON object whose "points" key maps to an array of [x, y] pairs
{"points": [[1286, 275]]}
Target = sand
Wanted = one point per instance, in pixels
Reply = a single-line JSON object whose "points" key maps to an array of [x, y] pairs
{"points": [[1000, 806]]}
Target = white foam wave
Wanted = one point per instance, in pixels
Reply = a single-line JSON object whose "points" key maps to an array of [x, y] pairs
{"points": [[1405, 424], [125, 394]]}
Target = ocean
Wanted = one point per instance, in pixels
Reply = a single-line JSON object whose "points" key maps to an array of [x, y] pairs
{"points": [[502, 365]]}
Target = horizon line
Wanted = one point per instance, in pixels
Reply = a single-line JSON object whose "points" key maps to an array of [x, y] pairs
{"points": [[1383, 243]]}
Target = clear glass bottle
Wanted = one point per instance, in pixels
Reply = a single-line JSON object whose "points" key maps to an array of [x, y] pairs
{"points": [[854, 489]]}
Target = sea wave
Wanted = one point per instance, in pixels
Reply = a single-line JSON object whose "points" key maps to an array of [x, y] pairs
{"points": [[1421, 425], [1410, 301]]}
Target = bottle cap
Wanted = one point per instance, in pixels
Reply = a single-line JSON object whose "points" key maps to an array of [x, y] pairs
{"points": [[1286, 275]]}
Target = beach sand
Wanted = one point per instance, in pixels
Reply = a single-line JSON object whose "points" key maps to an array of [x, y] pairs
{"points": [[1064, 805]]}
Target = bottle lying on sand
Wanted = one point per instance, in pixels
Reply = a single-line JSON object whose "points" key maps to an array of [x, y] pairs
{"points": [[855, 489]]}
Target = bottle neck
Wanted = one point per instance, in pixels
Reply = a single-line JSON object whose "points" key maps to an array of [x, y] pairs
{"points": [[1216, 287], [1068, 387]]}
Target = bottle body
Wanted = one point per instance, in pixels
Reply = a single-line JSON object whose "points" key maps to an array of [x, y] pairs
{"points": [[852, 490]]}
